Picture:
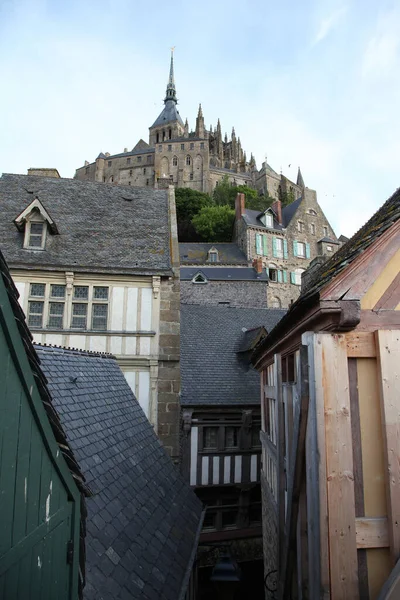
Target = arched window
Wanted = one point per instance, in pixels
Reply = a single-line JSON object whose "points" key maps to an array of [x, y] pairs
{"points": [[188, 161], [275, 302], [175, 161]]}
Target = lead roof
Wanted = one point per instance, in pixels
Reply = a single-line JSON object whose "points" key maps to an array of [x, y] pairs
{"points": [[102, 228], [143, 518], [212, 372]]}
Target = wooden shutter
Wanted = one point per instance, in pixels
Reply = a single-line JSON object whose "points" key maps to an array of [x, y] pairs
{"points": [[292, 277], [274, 247], [258, 244], [308, 251], [279, 276], [284, 276], [285, 249], [265, 245], [294, 248]]}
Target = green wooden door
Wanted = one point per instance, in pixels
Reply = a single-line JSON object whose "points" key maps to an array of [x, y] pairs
{"points": [[39, 509]]}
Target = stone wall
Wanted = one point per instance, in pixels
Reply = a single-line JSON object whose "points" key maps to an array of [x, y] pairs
{"points": [[244, 294]]}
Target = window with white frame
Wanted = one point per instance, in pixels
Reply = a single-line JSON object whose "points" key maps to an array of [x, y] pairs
{"points": [[312, 228], [279, 247], [325, 231], [91, 308], [213, 255], [35, 235], [300, 226], [301, 249], [297, 276]]}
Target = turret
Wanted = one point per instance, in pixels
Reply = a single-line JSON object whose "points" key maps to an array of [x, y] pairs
{"points": [[300, 180], [186, 130]]}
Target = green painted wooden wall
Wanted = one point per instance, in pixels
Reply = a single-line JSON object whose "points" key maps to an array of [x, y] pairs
{"points": [[39, 502]]}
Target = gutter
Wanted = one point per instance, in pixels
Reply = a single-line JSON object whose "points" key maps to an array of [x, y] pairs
{"points": [[186, 577]]}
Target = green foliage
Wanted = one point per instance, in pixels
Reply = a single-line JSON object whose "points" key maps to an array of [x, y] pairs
{"points": [[225, 195], [215, 223], [188, 204], [286, 197]]}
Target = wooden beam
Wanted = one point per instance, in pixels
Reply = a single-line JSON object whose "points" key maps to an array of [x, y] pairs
{"points": [[388, 345], [339, 468], [269, 391], [360, 345], [372, 533]]}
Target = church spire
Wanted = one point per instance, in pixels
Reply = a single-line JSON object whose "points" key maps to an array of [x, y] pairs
{"points": [[171, 91], [300, 180]]}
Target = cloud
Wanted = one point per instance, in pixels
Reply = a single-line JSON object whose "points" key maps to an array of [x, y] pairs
{"points": [[327, 24], [382, 51]]}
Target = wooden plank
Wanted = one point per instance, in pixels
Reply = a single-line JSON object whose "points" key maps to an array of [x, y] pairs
{"points": [[372, 533], [317, 505], [391, 589], [339, 469], [269, 391], [388, 345], [280, 444], [360, 344]]}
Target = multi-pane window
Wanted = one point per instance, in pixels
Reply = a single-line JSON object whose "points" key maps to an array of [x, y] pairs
{"points": [[201, 145], [36, 235], [175, 161], [279, 247], [188, 161], [210, 437], [192, 146], [232, 437], [269, 222], [149, 158], [109, 163], [182, 146], [79, 315], [301, 249], [300, 226], [35, 314], [56, 306]]}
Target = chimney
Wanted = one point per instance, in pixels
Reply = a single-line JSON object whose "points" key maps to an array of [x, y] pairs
{"points": [[86, 163], [107, 154], [258, 265], [239, 205], [45, 172], [125, 150], [277, 208]]}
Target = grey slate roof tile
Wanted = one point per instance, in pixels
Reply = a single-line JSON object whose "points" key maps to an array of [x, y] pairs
{"points": [[102, 227], [191, 253], [140, 500], [211, 370]]}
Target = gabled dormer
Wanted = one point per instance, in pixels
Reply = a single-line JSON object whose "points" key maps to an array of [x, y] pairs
{"points": [[212, 255], [35, 222], [199, 278], [267, 218]]}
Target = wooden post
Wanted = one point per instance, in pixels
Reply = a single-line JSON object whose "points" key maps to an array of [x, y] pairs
{"points": [[388, 355], [280, 445], [339, 468]]}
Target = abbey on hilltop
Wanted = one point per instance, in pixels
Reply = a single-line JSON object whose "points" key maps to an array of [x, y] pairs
{"points": [[175, 155]]}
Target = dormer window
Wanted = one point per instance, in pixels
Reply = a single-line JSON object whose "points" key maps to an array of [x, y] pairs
{"points": [[35, 222], [199, 278], [213, 255], [269, 221], [36, 235]]}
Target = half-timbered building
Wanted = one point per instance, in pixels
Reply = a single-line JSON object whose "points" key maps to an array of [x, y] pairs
{"points": [[330, 407]]}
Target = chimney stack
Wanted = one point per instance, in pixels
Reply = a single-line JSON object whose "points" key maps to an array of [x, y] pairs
{"points": [[258, 265], [277, 208], [45, 172], [240, 205]]}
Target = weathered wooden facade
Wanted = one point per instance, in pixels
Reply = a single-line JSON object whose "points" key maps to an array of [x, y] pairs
{"points": [[330, 397], [41, 514]]}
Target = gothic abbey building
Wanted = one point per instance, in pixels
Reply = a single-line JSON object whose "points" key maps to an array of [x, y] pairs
{"points": [[196, 159]]}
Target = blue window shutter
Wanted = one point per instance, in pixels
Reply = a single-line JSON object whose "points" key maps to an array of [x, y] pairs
{"points": [[285, 252], [258, 244], [292, 277], [308, 251], [279, 276], [274, 247], [294, 248], [284, 276], [265, 246]]}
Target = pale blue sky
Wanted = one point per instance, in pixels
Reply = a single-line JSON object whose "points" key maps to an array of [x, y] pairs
{"points": [[310, 83]]}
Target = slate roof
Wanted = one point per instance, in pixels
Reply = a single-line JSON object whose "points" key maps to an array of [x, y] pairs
{"points": [[384, 218], [102, 228], [197, 254], [212, 372], [224, 273], [169, 114], [329, 240], [49, 406], [253, 217], [143, 518]]}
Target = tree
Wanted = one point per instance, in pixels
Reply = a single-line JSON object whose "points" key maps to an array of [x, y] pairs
{"points": [[225, 195], [215, 223], [286, 197], [188, 204]]}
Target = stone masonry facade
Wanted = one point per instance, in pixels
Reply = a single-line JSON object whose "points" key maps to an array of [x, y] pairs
{"points": [[242, 294]]}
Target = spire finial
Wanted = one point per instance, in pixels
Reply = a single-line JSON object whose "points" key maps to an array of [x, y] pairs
{"points": [[200, 114], [300, 180], [171, 91]]}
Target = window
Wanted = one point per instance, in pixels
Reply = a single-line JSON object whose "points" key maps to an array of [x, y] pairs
{"points": [[147, 182], [329, 248], [169, 147], [139, 159], [300, 226], [169, 134], [199, 278], [255, 435], [188, 161], [175, 161], [312, 212], [128, 161], [149, 159], [191, 146], [144, 170], [269, 221], [109, 163], [201, 145], [301, 249], [289, 369], [278, 247], [157, 138], [35, 314], [129, 183], [273, 274], [36, 234], [276, 302], [213, 255], [159, 148], [191, 176], [232, 437], [325, 231], [182, 146], [312, 229], [295, 277], [210, 438], [56, 306]]}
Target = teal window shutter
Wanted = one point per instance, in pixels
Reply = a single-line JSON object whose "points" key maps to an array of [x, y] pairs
{"points": [[294, 248], [279, 276], [285, 251], [284, 276], [258, 244], [267, 271], [308, 251], [274, 247], [265, 245], [292, 277]]}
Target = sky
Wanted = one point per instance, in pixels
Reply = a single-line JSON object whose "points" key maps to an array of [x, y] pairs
{"points": [[314, 84]]}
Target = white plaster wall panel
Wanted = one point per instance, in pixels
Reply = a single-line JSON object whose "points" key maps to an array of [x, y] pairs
{"points": [[117, 308], [20, 285], [77, 341], [144, 346], [55, 339], [38, 338], [227, 469], [238, 469], [98, 343], [194, 440], [130, 345], [144, 391], [130, 376], [215, 470], [204, 470], [116, 344], [131, 309], [253, 467], [145, 316]]}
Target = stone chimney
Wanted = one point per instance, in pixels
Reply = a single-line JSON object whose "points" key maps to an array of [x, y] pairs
{"points": [[125, 150], [44, 172], [277, 208], [258, 265], [107, 154], [240, 205]]}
